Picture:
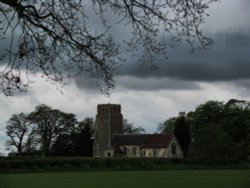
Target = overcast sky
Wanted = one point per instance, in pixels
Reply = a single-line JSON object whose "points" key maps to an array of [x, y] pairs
{"points": [[149, 97]]}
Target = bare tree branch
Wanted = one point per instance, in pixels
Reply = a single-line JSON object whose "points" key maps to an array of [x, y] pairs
{"points": [[16, 129], [56, 37]]}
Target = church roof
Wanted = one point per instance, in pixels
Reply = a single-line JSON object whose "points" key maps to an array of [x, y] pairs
{"points": [[158, 141], [129, 139], [143, 140]]}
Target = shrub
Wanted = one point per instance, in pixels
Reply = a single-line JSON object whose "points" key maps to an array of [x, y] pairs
{"points": [[28, 164]]}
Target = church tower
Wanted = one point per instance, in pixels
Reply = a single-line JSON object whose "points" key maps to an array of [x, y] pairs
{"points": [[109, 121]]}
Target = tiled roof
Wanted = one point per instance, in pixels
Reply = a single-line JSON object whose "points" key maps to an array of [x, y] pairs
{"points": [[129, 139], [143, 140], [158, 141]]}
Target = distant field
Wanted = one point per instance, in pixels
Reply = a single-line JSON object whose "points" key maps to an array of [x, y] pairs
{"points": [[130, 179]]}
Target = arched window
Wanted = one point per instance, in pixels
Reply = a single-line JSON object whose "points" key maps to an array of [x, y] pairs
{"points": [[173, 149]]}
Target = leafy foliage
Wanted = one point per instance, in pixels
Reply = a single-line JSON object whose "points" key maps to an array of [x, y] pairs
{"points": [[219, 131], [230, 121], [213, 144], [182, 132], [168, 125], [78, 142], [62, 164]]}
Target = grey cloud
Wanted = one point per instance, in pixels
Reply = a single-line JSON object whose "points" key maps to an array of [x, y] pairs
{"points": [[240, 88], [245, 83], [227, 60], [149, 84], [89, 84], [85, 82]]}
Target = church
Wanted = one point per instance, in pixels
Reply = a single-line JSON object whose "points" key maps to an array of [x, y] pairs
{"points": [[110, 141]]}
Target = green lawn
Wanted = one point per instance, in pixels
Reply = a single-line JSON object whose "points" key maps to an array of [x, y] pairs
{"points": [[130, 179]]}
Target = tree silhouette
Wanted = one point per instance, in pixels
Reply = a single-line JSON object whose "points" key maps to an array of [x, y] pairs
{"points": [[16, 129], [182, 132], [78, 142], [57, 38], [129, 128], [49, 124]]}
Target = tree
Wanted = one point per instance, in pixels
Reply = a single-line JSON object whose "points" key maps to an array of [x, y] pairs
{"points": [[231, 119], [236, 120], [49, 124], [236, 123], [32, 143], [213, 144], [167, 126], [85, 140], [78, 142], [211, 112], [182, 132], [16, 129], [128, 128], [58, 39], [65, 145]]}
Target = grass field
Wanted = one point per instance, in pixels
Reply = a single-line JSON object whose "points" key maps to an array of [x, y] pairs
{"points": [[130, 179]]}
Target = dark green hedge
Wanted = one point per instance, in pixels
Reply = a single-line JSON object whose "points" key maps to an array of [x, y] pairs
{"points": [[14, 165]]}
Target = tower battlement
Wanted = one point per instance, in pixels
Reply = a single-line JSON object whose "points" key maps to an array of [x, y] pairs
{"points": [[108, 108]]}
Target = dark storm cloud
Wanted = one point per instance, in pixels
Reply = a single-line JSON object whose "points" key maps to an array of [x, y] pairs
{"points": [[227, 60], [84, 81]]}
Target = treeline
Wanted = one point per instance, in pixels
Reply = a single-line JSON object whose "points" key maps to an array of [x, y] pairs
{"points": [[46, 131], [50, 132], [214, 131]]}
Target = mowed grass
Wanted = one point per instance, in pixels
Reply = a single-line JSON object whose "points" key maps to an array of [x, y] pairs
{"points": [[130, 179]]}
